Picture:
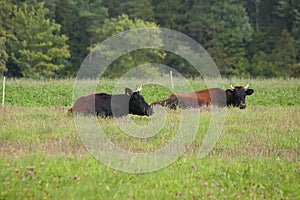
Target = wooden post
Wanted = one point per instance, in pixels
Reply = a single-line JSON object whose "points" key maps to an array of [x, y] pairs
{"points": [[3, 91], [171, 76]]}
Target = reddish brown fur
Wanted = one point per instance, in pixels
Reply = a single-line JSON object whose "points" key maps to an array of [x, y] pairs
{"points": [[203, 97], [84, 105]]}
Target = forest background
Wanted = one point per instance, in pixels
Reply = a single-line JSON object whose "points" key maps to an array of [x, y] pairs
{"points": [[248, 38]]}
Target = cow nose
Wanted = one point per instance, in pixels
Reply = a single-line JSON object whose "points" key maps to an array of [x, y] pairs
{"points": [[149, 111], [242, 105]]}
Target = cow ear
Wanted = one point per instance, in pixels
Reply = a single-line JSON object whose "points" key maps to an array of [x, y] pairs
{"points": [[249, 92], [128, 91], [229, 92]]}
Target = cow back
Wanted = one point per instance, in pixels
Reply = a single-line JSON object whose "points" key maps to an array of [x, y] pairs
{"points": [[84, 105], [215, 96]]}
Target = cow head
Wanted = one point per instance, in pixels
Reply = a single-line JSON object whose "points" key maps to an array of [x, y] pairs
{"points": [[137, 103], [236, 96]]}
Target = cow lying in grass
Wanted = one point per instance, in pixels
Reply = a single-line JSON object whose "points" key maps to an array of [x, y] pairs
{"points": [[102, 104], [235, 96]]}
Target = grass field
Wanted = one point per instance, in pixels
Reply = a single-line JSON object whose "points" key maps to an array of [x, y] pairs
{"points": [[256, 157]]}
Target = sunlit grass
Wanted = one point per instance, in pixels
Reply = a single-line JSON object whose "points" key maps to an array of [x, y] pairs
{"points": [[256, 156]]}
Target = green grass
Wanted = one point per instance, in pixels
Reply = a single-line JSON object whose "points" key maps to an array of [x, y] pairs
{"points": [[31, 93], [84, 178], [256, 157]]}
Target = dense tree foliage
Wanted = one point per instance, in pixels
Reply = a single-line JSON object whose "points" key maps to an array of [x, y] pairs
{"points": [[42, 39], [34, 45], [3, 56], [132, 59]]}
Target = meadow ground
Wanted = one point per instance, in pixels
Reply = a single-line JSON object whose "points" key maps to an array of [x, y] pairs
{"points": [[257, 155]]}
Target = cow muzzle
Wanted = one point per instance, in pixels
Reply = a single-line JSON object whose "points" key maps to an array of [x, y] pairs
{"points": [[149, 111], [242, 106]]}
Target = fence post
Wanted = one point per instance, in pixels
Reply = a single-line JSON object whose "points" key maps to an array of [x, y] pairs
{"points": [[171, 76], [3, 91]]}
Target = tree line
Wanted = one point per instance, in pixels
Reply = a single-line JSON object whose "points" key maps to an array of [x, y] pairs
{"points": [[50, 39]]}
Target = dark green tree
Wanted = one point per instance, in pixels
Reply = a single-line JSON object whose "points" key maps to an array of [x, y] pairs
{"points": [[198, 21], [275, 42], [260, 12], [287, 17], [284, 53], [294, 70], [259, 52], [3, 56], [92, 14], [140, 9], [172, 14], [66, 14], [36, 47], [6, 8], [132, 59], [225, 30], [261, 65]]}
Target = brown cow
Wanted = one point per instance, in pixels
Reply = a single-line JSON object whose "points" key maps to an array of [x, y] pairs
{"points": [[235, 96]]}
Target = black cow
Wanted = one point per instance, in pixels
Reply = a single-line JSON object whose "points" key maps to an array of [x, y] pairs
{"points": [[235, 96], [102, 104]]}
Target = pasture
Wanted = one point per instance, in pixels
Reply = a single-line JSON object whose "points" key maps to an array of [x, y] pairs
{"points": [[256, 157]]}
